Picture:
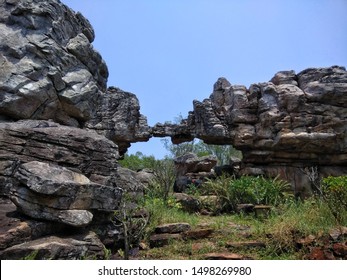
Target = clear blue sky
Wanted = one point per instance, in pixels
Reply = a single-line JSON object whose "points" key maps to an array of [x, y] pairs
{"points": [[171, 52]]}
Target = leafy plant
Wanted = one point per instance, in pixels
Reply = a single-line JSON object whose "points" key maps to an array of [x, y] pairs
{"points": [[247, 189], [334, 191]]}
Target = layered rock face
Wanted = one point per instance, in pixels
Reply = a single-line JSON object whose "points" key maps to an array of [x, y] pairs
{"points": [[192, 170], [50, 70], [285, 126], [61, 134]]}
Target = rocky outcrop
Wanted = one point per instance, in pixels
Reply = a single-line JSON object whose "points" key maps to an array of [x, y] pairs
{"points": [[54, 193], [77, 247], [293, 122], [118, 118], [191, 163], [80, 150], [192, 170], [60, 175], [61, 132], [49, 67], [50, 70]]}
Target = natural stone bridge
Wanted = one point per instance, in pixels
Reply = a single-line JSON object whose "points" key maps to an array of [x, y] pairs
{"points": [[57, 112]]}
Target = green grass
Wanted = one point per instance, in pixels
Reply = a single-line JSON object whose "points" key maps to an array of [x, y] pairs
{"points": [[169, 212], [287, 223]]}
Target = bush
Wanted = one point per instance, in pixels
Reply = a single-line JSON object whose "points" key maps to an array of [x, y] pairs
{"points": [[164, 178], [137, 161], [334, 191], [247, 189]]}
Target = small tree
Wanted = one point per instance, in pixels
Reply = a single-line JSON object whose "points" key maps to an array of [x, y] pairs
{"points": [[312, 174], [133, 227], [164, 176]]}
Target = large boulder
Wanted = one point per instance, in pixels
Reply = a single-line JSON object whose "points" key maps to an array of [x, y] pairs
{"points": [[76, 247], [50, 70], [49, 192], [192, 170], [80, 150], [118, 118], [191, 163], [16, 228], [61, 130]]}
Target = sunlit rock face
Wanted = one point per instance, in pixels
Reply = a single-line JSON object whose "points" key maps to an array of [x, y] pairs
{"points": [[50, 70]]}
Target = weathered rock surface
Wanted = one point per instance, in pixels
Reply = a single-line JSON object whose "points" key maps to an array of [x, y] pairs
{"points": [[172, 228], [118, 118], [192, 170], [16, 228], [54, 193], [80, 150], [191, 163], [82, 246], [130, 183], [188, 202], [59, 124], [50, 70], [282, 126], [145, 176]]}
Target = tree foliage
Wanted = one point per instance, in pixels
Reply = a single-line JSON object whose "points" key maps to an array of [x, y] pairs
{"points": [[137, 161], [222, 152]]}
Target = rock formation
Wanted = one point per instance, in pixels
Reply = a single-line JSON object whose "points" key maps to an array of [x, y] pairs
{"points": [[50, 70], [61, 133], [192, 170], [291, 126]]}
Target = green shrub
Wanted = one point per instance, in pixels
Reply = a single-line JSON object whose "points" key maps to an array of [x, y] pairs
{"points": [[334, 191], [247, 189], [137, 161]]}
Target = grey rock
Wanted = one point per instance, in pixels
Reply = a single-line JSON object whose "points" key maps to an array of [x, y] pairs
{"points": [[172, 228], [285, 77], [75, 247], [130, 183], [145, 176], [118, 118], [50, 70], [80, 150], [188, 203], [191, 163], [16, 228], [54, 193], [43, 45]]}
